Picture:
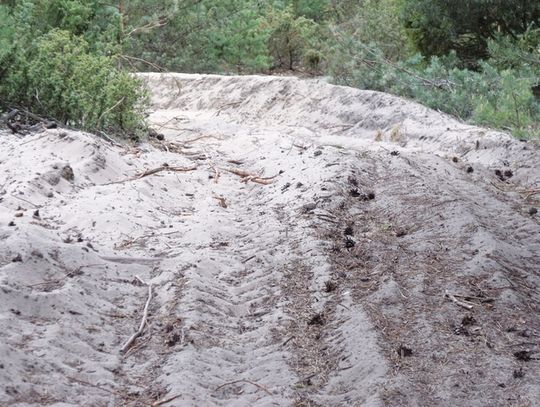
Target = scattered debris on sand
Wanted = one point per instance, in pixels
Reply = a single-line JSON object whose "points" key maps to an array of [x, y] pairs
{"points": [[275, 241]]}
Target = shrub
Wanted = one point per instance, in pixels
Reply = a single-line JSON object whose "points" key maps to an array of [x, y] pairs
{"points": [[7, 33], [501, 98], [292, 39], [57, 76], [438, 26]]}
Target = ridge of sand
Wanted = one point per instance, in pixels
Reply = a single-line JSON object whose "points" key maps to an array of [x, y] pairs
{"points": [[317, 280]]}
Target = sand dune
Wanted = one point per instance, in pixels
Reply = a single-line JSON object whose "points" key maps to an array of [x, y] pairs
{"points": [[306, 245]]}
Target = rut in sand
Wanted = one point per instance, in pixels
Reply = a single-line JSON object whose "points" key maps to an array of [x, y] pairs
{"points": [[307, 245]]}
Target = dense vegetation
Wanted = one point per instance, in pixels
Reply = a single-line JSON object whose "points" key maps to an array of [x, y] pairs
{"points": [[477, 59]]}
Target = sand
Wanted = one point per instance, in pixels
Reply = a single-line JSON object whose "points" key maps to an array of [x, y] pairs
{"points": [[299, 238]]}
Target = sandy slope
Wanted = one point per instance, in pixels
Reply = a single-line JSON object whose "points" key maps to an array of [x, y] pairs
{"points": [[317, 280]]}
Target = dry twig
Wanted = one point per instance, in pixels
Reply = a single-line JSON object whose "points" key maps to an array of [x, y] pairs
{"points": [[463, 304], [143, 321], [153, 171], [222, 201], [245, 381], [165, 401], [97, 386], [247, 176], [216, 174]]}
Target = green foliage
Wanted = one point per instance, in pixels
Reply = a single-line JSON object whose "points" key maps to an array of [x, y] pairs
{"points": [[315, 10], [241, 43], [375, 22], [438, 26], [52, 70], [486, 96], [241, 36], [7, 35], [58, 77], [478, 60], [292, 40]]}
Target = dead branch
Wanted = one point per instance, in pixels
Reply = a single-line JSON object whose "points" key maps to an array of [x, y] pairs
{"points": [[530, 193], [143, 320], [153, 171], [163, 168], [232, 104], [134, 349], [165, 401], [216, 174], [96, 386], [25, 200], [200, 138], [108, 138], [222, 201], [235, 162], [240, 173], [110, 109], [160, 22], [245, 381], [463, 304], [129, 58], [262, 181], [247, 176]]}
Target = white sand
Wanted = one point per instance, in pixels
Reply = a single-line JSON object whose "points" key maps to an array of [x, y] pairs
{"points": [[234, 287]]}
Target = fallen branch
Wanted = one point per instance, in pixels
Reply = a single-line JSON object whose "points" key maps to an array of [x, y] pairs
{"points": [[235, 162], [160, 22], [222, 201], [96, 386], [245, 381], [163, 168], [232, 104], [25, 200], [247, 176], [153, 171], [458, 302], [129, 58], [198, 138], [110, 109], [165, 401], [143, 321], [531, 192], [216, 174], [106, 137]]}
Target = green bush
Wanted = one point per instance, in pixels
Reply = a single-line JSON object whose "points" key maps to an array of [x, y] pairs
{"points": [[55, 73], [7, 35], [437, 27], [58, 77], [292, 39], [500, 98]]}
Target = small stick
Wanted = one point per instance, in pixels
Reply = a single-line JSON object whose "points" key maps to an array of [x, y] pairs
{"points": [[24, 200], [143, 321], [458, 302], [109, 110], [153, 171], [163, 168], [471, 297], [108, 138], [165, 401], [140, 280], [249, 258], [250, 177], [235, 162], [245, 381], [287, 341], [216, 174], [198, 138], [262, 181], [222, 201], [98, 387]]}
